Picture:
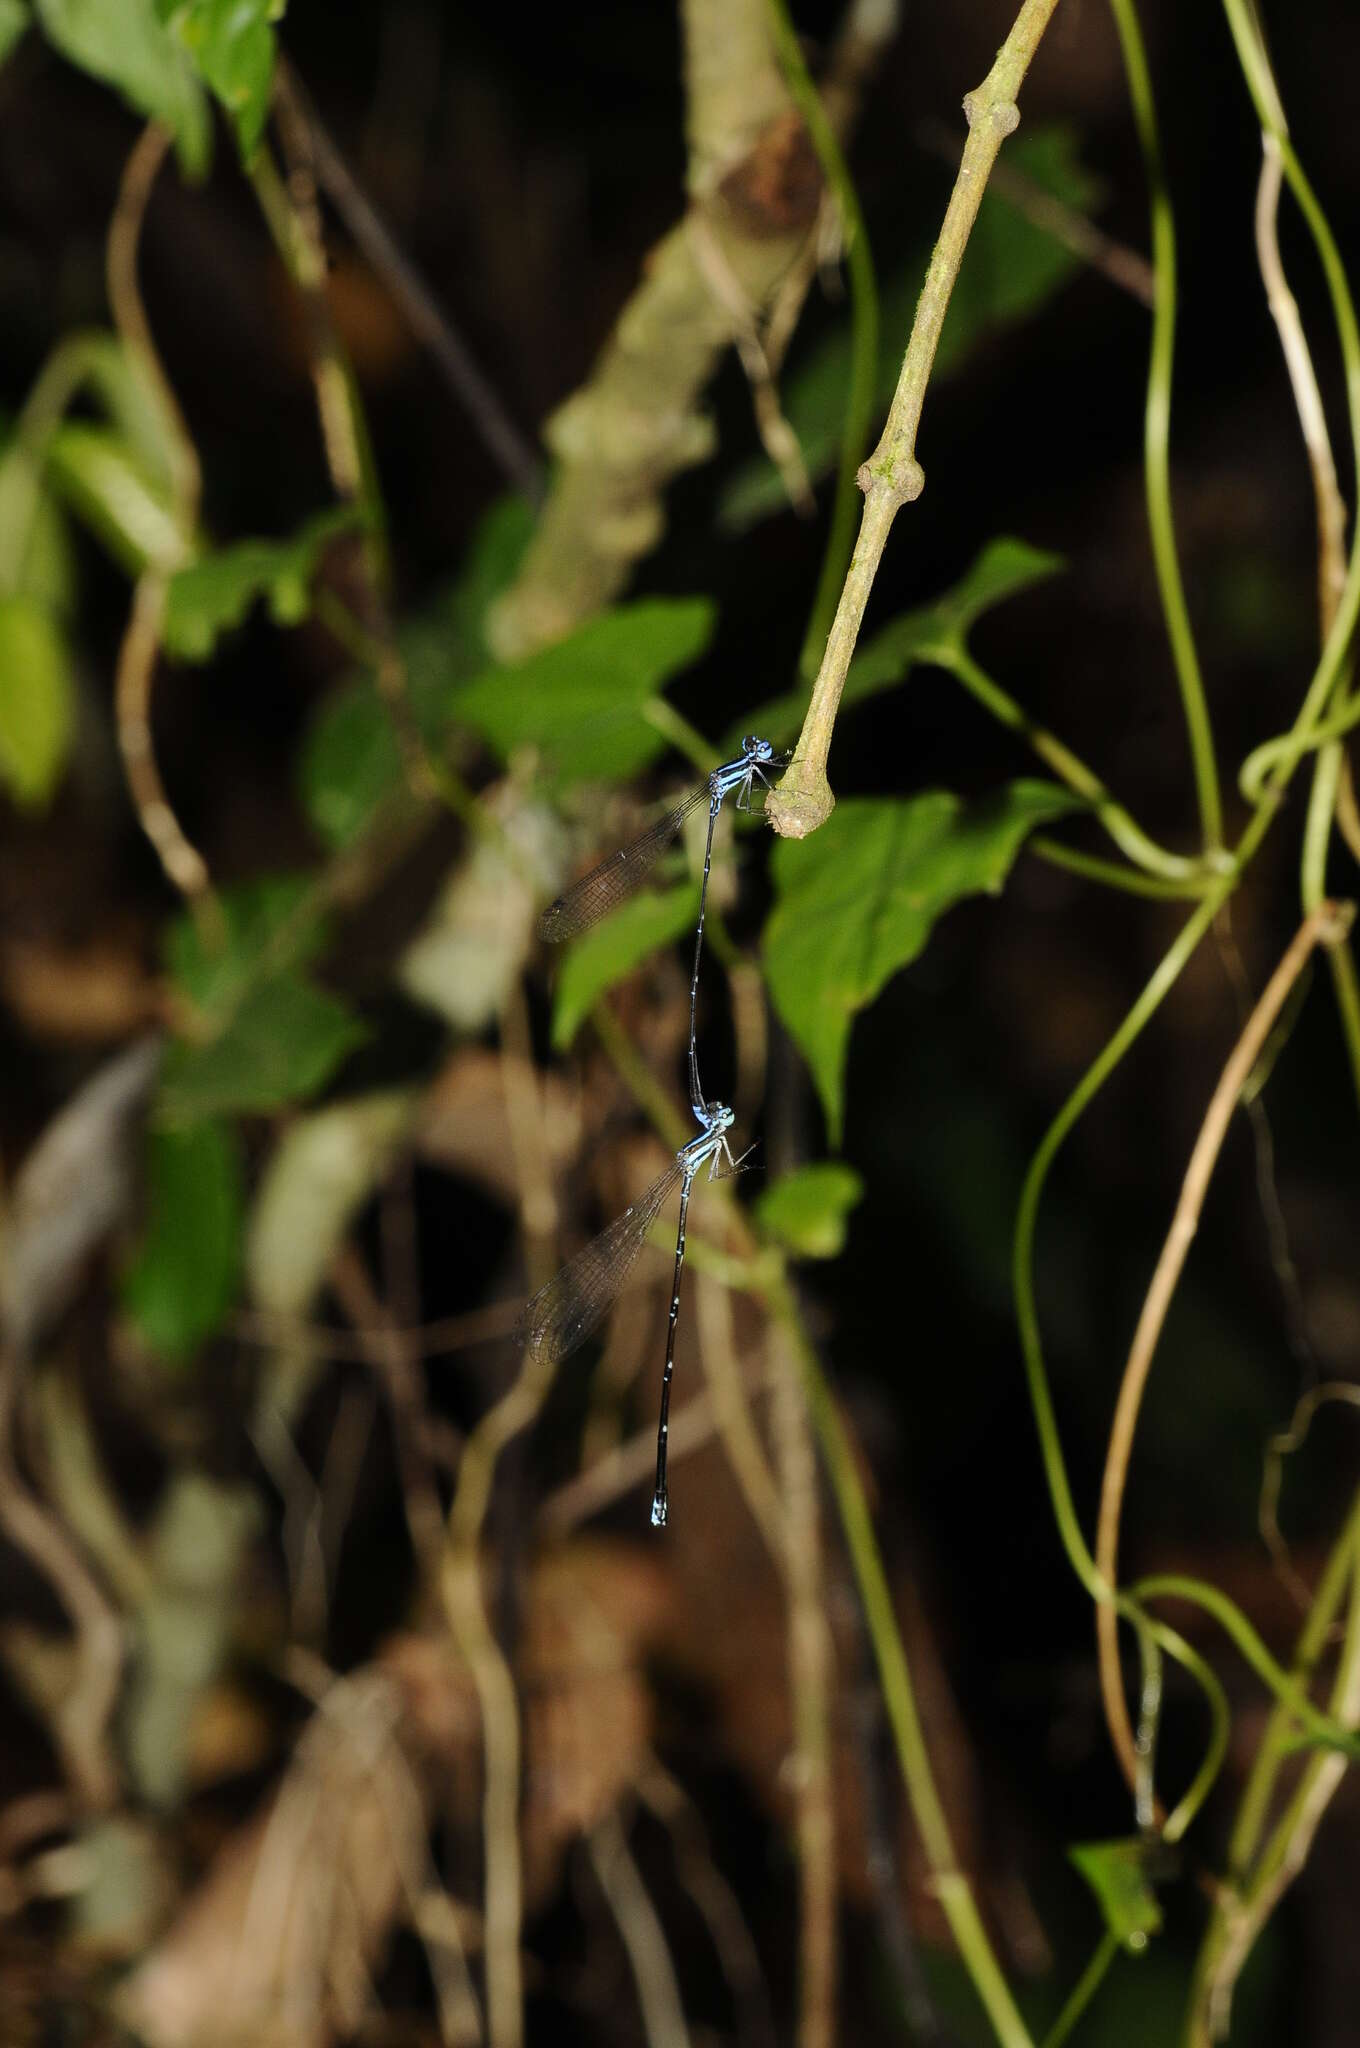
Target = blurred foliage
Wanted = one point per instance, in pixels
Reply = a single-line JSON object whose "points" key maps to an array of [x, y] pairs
{"points": [[36, 701], [583, 700], [264, 1034], [184, 1276], [214, 594], [613, 948], [807, 1211], [1117, 1873], [127, 45]]}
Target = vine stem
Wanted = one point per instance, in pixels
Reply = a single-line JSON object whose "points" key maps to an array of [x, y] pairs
{"points": [[1089, 1982], [1323, 926], [892, 477], [859, 403], [1157, 431], [135, 675], [1245, 1902], [1126, 834]]}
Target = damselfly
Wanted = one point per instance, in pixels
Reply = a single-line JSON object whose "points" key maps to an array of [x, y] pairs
{"points": [[606, 886], [563, 1314]]}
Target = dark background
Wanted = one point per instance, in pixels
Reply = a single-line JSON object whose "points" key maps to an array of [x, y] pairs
{"points": [[527, 171]]}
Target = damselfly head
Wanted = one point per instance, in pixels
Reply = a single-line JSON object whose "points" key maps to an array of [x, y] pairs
{"points": [[720, 1117], [757, 750]]}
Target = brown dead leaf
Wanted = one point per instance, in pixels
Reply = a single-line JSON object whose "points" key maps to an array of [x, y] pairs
{"points": [[278, 1946], [84, 995], [464, 1125]]}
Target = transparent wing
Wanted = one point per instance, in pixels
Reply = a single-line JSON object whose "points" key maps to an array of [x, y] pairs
{"points": [[563, 1314], [605, 887]]}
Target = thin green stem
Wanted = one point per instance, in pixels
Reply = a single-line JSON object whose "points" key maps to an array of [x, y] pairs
{"points": [[1275, 1743], [1157, 430], [1084, 1990], [859, 398], [1112, 874], [948, 1882], [1316, 840], [1127, 836], [1174, 1586], [1200, 1786], [1288, 748], [684, 737]]}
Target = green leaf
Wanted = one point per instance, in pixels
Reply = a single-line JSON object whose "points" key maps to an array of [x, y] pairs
{"points": [[1117, 1873], [283, 1042], [15, 16], [231, 45], [98, 473], [277, 1037], [269, 912], [213, 595], [123, 43], [806, 1211], [613, 948], [351, 762], [447, 642], [931, 633], [1010, 268], [47, 573], [36, 702], [858, 900], [581, 700], [182, 1280], [133, 401]]}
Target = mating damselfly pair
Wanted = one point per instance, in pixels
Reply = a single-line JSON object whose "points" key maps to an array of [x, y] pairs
{"points": [[565, 1312]]}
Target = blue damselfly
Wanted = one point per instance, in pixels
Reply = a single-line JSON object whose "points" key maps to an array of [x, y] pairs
{"points": [[606, 886], [563, 1314]]}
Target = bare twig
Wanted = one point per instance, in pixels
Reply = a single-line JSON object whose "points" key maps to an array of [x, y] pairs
{"points": [[1282, 1445], [429, 322], [892, 477], [715, 1899], [1323, 927], [465, 1607], [399, 1370], [1125, 268], [811, 1678], [426, 1340], [80, 1727], [663, 2016], [183, 864], [732, 1411], [1331, 511], [1244, 1903]]}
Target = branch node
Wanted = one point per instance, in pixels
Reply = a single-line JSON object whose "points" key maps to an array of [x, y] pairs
{"points": [[1003, 116], [802, 802], [895, 475]]}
